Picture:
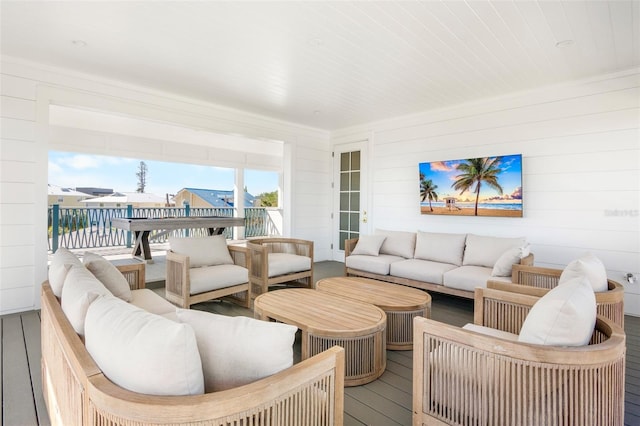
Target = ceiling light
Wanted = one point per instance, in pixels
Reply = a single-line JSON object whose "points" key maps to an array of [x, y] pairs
{"points": [[79, 43], [564, 43], [316, 41], [316, 112]]}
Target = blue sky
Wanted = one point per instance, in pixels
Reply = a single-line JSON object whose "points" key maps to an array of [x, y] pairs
{"points": [[443, 174], [72, 170]]}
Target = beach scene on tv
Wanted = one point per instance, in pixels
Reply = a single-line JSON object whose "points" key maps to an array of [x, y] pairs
{"points": [[485, 186]]}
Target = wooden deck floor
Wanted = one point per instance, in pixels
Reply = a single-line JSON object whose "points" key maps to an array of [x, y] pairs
{"points": [[384, 402]]}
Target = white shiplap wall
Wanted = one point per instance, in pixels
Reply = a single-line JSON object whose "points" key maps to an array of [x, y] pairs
{"points": [[26, 92], [581, 163]]}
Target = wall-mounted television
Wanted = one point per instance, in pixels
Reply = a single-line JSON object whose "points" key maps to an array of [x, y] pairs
{"points": [[484, 186]]}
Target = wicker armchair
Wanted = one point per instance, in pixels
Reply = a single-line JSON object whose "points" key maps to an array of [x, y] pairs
{"points": [[537, 281], [280, 261], [178, 288], [462, 377]]}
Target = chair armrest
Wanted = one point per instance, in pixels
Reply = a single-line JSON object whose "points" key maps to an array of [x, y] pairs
{"points": [[349, 245], [502, 310], [177, 279], [240, 256], [535, 276], [134, 274]]}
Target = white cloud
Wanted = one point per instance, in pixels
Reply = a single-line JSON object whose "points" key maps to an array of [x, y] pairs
{"points": [[82, 162]]}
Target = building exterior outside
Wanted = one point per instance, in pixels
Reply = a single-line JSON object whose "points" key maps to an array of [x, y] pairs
{"points": [[123, 199], [196, 197], [65, 197]]}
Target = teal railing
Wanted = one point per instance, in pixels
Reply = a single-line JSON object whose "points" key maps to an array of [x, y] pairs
{"points": [[90, 227]]}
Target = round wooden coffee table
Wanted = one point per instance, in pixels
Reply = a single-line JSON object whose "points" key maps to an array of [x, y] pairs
{"points": [[327, 320], [400, 303]]}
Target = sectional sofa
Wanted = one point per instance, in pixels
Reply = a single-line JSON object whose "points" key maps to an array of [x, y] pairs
{"points": [[441, 262]]}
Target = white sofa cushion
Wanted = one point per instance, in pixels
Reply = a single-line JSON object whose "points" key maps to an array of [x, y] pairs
{"points": [[565, 316], [143, 352], [214, 277], [239, 350], [421, 270], [203, 251], [439, 247], [504, 265], [287, 263], [80, 289], [150, 301], [108, 275], [482, 250], [469, 277], [369, 245], [586, 265], [397, 243], [61, 262], [374, 264], [492, 332]]}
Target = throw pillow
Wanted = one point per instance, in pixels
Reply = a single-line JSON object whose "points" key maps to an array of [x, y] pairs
{"points": [[203, 251], [143, 352], [61, 261], [369, 245], [239, 350], [565, 316], [505, 262], [108, 275], [590, 266], [80, 289]]}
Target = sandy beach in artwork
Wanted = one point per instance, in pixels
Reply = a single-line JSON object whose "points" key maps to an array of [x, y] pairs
{"points": [[470, 211]]}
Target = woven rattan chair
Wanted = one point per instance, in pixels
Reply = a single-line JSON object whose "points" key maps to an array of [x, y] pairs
{"points": [[462, 377], [280, 261], [179, 289], [537, 281]]}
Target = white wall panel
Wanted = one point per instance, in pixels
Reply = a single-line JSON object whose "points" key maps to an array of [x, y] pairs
{"points": [[581, 169], [21, 109], [11, 128]]}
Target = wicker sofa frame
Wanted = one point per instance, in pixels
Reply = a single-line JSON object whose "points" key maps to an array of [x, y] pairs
{"points": [[463, 377], [537, 281], [350, 245], [76, 392], [259, 250], [178, 282]]}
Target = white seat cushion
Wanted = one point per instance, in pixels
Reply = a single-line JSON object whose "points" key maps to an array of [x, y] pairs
{"points": [[108, 275], [421, 270], [565, 316], [203, 251], [590, 267], [151, 302], [61, 262], [80, 289], [438, 247], [214, 277], [397, 243], [286, 263], [374, 264], [239, 350], [485, 251], [469, 277], [143, 352]]}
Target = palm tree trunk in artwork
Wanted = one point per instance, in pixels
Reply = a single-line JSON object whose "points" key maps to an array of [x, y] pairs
{"points": [[477, 198]]}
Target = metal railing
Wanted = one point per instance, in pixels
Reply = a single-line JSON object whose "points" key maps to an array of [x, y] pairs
{"points": [[90, 227]]}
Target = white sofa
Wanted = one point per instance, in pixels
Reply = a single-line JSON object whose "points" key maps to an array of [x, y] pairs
{"points": [[117, 355], [442, 262]]}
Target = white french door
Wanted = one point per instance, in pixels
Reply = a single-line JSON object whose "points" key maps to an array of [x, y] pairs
{"points": [[350, 194]]}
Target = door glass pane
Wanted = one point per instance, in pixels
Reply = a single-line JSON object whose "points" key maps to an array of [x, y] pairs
{"points": [[349, 196]]}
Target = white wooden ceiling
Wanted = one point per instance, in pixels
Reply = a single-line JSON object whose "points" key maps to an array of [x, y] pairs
{"points": [[329, 64]]}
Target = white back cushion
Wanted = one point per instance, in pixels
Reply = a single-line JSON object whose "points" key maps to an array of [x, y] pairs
{"points": [[397, 243], [203, 251], [143, 352], [589, 266], [566, 316], [61, 261], [485, 251], [80, 289], [108, 275], [369, 245], [239, 350], [438, 247]]}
